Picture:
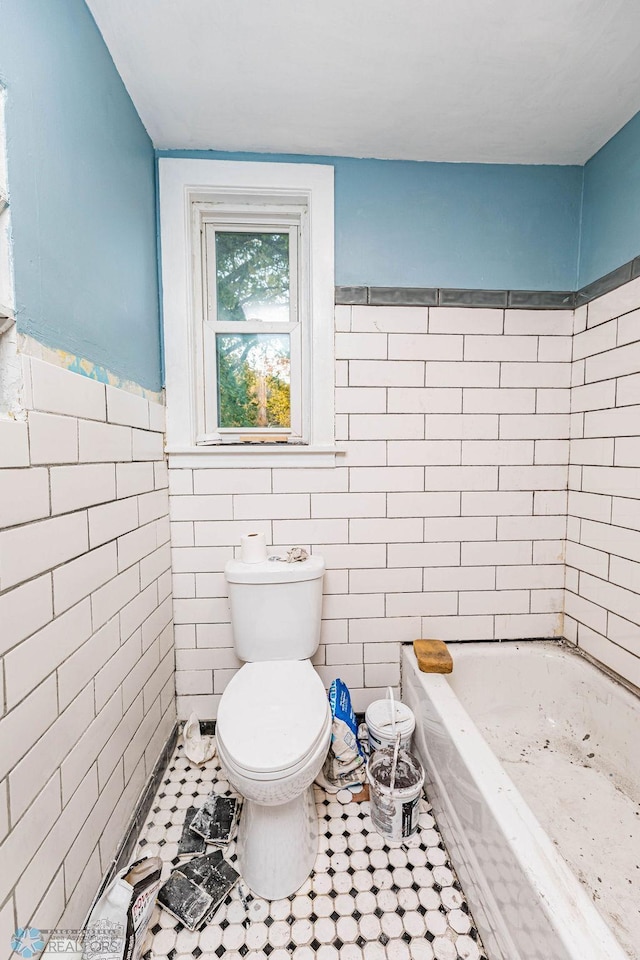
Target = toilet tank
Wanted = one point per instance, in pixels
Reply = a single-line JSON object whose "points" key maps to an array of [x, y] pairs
{"points": [[275, 608]]}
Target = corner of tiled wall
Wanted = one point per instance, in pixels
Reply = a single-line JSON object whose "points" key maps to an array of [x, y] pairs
{"points": [[445, 516], [603, 534], [86, 635]]}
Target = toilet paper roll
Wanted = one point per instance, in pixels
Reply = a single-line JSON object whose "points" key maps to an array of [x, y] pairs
{"points": [[253, 548]]}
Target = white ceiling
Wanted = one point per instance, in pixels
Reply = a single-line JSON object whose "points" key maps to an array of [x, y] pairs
{"points": [[515, 81]]}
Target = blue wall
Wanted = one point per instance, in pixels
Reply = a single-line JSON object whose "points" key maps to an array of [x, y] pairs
{"points": [[82, 186], [400, 223], [611, 210], [81, 175]]}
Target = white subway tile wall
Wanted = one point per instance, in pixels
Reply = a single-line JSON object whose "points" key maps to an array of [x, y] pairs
{"points": [[603, 543], [445, 517], [86, 635], [476, 447]]}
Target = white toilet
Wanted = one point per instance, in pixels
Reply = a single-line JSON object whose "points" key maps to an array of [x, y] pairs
{"points": [[274, 721]]}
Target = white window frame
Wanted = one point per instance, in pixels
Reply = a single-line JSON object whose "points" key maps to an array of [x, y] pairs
{"points": [[190, 193]]}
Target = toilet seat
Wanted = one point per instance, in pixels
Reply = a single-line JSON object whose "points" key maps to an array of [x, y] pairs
{"points": [[272, 716]]}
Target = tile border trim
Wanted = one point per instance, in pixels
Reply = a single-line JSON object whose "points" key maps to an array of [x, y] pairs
{"points": [[139, 815], [501, 299], [127, 845]]}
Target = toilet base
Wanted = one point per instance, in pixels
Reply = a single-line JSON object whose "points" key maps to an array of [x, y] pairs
{"points": [[277, 845]]}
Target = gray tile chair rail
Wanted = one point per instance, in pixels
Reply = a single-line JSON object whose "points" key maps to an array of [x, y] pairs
{"points": [[514, 299]]}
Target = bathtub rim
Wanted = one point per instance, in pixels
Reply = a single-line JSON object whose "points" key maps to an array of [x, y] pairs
{"points": [[560, 644]]}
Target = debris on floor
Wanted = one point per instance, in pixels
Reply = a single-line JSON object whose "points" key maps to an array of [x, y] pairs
{"points": [[198, 749], [367, 898], [216, 821], [190, 843], [196, 889]]}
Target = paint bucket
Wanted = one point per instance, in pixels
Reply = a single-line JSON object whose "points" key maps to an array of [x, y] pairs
{"points": [[386, 719], [395, 786]]}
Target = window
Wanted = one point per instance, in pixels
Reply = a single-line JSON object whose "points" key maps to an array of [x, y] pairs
{"points": [[253, 319], [249, 327]]}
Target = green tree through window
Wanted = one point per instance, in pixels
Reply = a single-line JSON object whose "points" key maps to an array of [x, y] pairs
{"points": [[254, 380], [252, 272], [254, 369]]}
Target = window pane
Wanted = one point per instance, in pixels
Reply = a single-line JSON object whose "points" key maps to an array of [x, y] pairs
{"points": [[254, 377], [252, 276]]}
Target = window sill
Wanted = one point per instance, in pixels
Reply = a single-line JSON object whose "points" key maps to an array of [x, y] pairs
{"points": [[253, 455]]}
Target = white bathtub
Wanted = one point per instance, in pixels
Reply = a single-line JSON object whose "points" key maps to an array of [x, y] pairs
{"points": [[532, 762]]}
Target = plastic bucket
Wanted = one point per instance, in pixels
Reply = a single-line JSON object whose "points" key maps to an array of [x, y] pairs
{"points": [[385, 719], [395, 810]]}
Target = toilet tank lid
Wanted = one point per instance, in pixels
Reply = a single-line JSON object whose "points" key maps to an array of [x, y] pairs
{"points": [[274, 571]]}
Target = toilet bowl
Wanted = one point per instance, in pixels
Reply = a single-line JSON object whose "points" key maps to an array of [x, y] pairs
{"points": [[273, 732]]}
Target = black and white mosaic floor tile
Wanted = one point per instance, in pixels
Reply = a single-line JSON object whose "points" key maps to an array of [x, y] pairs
{"points": [[367, 898]]}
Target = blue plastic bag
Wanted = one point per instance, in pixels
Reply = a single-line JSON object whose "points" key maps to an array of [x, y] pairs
{"points": [[344, 766]]}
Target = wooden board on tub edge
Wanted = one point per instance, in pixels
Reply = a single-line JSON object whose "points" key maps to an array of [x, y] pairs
{"points": [[433, 656]]}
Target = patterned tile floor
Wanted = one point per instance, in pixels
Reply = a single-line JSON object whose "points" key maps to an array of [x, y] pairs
{"points": [[367, 899]]}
